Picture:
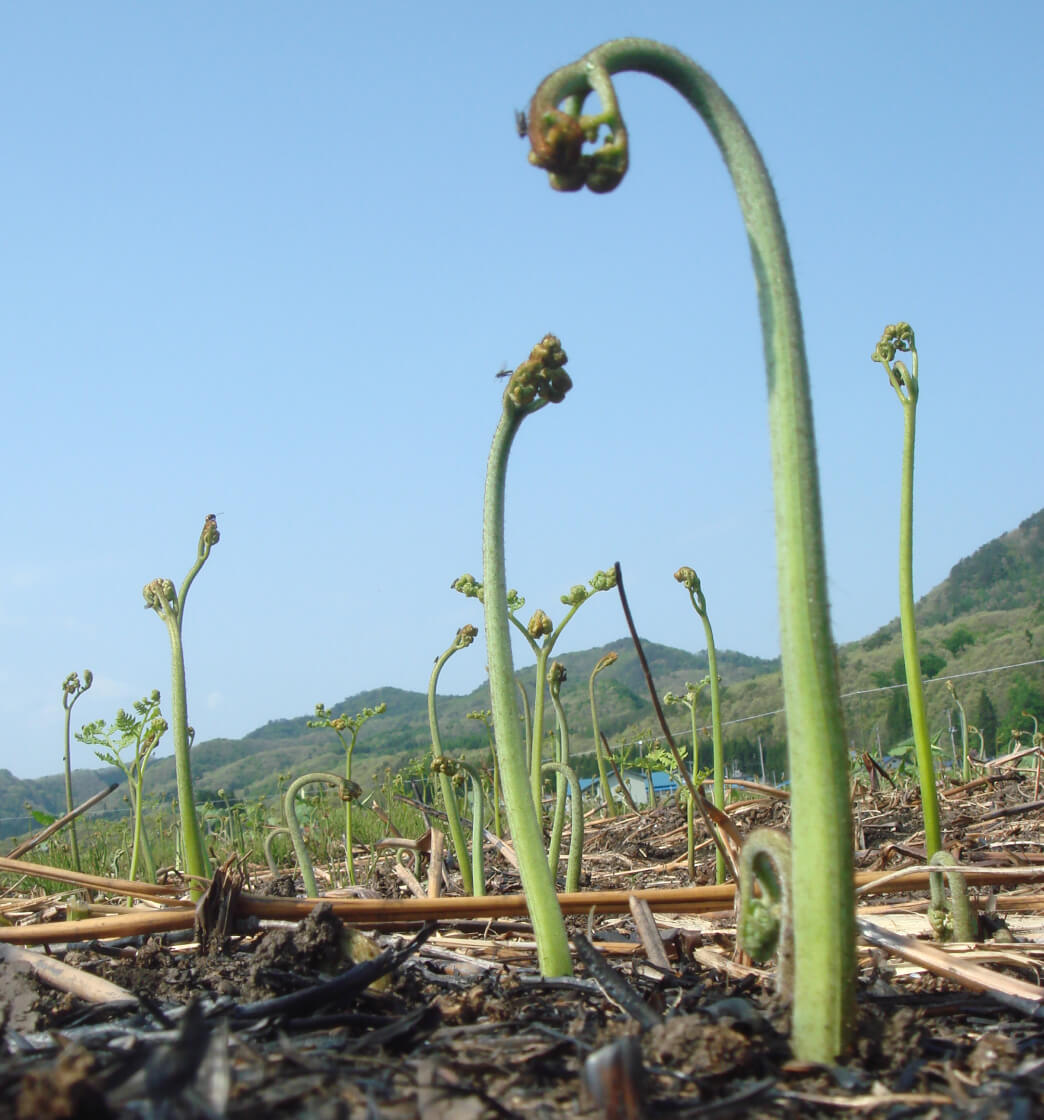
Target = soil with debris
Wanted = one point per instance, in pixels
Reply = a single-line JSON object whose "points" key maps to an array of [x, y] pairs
{"points": [[463, 1027]]}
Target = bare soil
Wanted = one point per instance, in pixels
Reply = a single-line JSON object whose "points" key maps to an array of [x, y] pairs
{"points": [[464, 1028]]}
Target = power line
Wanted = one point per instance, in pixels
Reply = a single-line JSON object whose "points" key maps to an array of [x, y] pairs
{"points": [[867, 692]]}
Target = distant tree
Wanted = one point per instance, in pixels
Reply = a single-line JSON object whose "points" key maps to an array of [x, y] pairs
{"points": [[931, 666], [1023, 696], [958, 639], [985, 719], [879, 637], [897, 720], [883, 679]]}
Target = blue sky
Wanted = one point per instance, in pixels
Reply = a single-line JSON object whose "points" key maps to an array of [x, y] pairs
{"points": [[264, 260]]}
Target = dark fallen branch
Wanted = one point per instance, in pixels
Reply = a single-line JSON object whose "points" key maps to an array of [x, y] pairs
{"points": [[342, 988], [614, 986]]}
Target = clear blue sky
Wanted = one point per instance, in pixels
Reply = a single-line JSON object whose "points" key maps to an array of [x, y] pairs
{"points": [[264, 260]]}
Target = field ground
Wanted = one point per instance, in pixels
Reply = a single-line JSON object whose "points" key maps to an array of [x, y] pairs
{"points": [[463, 1026]]}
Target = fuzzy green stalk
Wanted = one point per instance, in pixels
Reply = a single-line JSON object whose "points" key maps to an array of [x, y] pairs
{"points": [[353, 725], [691, 582], [169, 604], [556, 675], [576, 823], [349, 792], [904, 382], [465, 636], [603, 776], [965, 758], [72, 690], [536, 382], [824, 925]]}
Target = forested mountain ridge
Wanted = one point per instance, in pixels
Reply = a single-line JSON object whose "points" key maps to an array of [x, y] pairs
{"points": [[987, 614]]}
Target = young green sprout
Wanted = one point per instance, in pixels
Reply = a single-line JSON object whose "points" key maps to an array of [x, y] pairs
{"points": [[349, 792], [691, 700], [72, 690], [142, 730], [824, 925], [353, 725], [556, 676], [689, 580], [965, 756], [538, 381], [899, 337], [447, 769], [486, 716], [169, 605], [465, 636], [541, 634]]}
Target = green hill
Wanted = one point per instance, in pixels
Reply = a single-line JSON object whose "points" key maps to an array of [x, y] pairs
{"points": [[988, 613]]}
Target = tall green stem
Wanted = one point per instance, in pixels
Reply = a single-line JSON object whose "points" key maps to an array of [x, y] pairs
{"points": [[72, 690], [533, 384], [170, 606], [900, 336], [689, 578], [824, 926]]}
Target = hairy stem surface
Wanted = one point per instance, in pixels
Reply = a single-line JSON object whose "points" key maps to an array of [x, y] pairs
{"points": [[824, 925]]}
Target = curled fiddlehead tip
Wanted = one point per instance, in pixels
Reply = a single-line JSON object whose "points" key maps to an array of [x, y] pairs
{"points": [[604, 662], [603, 581], [539, 625], [349, 790], [210, 535], [468, 586], [896, 336], [515, 601], [465, 636], [443, 765], [556, 674], [557, 136], [576, 595], [687, 577], [159, 592], [541, 378]]}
